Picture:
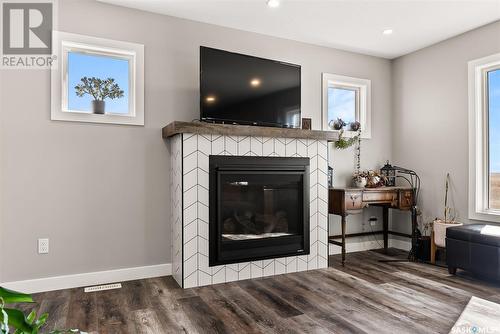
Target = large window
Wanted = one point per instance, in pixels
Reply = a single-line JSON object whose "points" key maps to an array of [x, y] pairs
{"points": [[484, 138], [346, 98], [493, 92]]}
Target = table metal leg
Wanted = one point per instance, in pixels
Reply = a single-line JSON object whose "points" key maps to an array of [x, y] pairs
{"points": [[385, 218], [343, 238]]}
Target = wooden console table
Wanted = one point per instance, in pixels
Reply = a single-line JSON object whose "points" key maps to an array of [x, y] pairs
{"points": [[348, 201]]}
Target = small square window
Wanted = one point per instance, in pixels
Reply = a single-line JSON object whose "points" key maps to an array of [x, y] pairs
{"points": [[97, 80], [349, 99]]}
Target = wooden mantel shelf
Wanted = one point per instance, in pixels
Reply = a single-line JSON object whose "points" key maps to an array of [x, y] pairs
{"points": [[178, 127]]}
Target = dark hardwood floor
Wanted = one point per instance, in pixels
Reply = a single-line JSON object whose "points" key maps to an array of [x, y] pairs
{"points": [[365, 296]]}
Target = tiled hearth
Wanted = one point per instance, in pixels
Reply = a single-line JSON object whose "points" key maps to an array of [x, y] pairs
{"points": [[190, 213]]}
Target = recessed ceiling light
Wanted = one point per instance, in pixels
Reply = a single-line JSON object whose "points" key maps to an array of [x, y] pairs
{"points": [[255, 82], [210, 99], [273, 3], [387, 32]]}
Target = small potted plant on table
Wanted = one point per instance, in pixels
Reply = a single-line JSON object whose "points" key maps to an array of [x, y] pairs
{"points": [[100, 90], [360, 179]]}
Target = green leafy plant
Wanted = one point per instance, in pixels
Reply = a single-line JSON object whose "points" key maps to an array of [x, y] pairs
{"points": [[99, 89], [12, 318], [342, 143]]}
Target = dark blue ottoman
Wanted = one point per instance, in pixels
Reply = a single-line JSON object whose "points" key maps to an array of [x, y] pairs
{"points": [[474, 248]]}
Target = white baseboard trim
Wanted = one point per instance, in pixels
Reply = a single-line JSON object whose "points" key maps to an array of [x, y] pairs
{"points": [[88, 279], [359, 246], [400, 244], [356, 246], [129, 274]]}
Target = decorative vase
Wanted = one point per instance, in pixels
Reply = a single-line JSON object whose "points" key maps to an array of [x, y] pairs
{"points": [[337, 124], [360, 182], [439, 227], [355, 126], [373, 181], [98, 107]]}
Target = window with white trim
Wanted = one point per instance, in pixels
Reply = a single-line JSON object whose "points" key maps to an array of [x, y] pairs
{"points": [[484, 138], [349, 99], [97, 80]]}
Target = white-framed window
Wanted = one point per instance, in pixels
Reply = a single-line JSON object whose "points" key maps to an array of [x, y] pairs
{"points": [[97, 80], [347, 98], [484, 138]]}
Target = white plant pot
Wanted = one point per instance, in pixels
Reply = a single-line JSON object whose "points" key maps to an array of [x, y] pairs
{"points": [[360, 183], [439, 228]]}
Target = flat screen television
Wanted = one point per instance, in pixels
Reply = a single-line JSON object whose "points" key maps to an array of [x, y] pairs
{"points": [[241, 89]]}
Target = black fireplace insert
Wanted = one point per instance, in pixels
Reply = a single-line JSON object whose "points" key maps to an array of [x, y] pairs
{"points": [[259, 208]]}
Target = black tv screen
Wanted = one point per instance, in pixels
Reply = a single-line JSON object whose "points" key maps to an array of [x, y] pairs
{"points": [[241, 89]]}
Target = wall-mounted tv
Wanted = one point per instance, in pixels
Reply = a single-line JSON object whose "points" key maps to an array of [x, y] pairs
{"points": [[241, 89]]}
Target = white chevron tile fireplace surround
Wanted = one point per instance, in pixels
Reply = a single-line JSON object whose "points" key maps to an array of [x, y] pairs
{"points": [[190, 205]]}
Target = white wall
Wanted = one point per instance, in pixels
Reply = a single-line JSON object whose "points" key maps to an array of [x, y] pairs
{"points": [[100, 192], [431, 116]]}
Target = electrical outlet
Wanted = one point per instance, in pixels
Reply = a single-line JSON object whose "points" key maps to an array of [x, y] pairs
{"points": [[43, 246]]}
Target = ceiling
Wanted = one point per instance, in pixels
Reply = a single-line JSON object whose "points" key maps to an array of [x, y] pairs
{"points": [[352, 25]]}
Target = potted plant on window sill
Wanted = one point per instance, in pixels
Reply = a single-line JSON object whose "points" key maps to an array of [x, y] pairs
{"points": [[440, 225], [100, 90]]}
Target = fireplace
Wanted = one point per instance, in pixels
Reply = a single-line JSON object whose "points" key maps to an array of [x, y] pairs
{"points": [[194, 210], [258, 208]]}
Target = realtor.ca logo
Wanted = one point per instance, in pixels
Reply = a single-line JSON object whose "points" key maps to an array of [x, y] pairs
{"points": [[27, 34], [472, 329]]}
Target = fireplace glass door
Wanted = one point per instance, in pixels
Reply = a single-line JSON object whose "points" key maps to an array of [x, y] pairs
{"points": [[258, 208]]}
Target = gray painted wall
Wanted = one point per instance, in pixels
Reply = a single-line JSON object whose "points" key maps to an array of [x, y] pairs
{"points": [[100, 192], [431, 116]]}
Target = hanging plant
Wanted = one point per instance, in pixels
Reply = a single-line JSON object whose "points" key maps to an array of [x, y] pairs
{"points": [[343, 143], [356, 126]]}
